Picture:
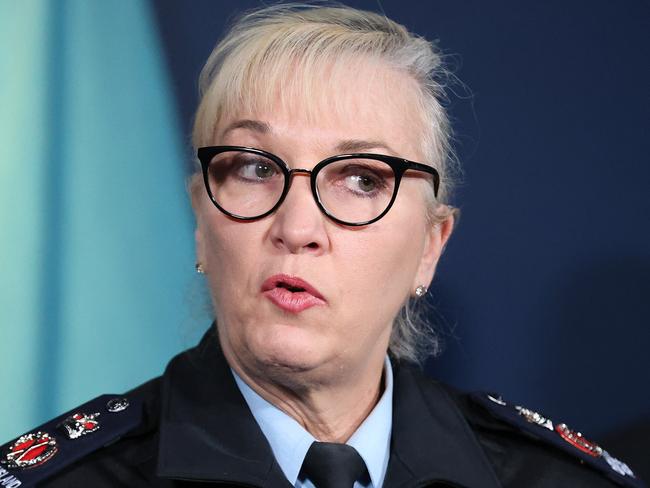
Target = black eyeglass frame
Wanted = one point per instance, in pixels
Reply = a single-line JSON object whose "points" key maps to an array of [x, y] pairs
{"points": [[398, 165]]}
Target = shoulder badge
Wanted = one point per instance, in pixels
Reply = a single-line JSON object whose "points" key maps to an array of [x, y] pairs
{"points": [[46, 450], [561, 436]]}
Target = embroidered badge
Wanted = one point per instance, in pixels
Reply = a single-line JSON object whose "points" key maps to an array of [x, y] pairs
{"points": [[79, 424], [577, 440], [30, 450], [534, 417]]}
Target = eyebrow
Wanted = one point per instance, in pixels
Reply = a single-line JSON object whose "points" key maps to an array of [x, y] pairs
{"points": [[254, 125], [345, 146], [358, 145]]}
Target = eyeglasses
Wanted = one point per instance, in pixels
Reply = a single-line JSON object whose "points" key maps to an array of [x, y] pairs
{"points": [[351, 189]]}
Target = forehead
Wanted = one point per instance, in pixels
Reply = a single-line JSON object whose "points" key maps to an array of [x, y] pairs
{"points": [[355, 100]]}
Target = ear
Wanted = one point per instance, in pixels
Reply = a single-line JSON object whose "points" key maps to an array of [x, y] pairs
{"points": [[435, 241]]}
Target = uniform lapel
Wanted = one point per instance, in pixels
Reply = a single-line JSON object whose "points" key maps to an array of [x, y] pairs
{"points": [[207, 432], [431, 441]]}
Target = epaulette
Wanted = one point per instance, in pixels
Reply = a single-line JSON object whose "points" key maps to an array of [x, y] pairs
{"points": [[46, 450], [560, 436]]}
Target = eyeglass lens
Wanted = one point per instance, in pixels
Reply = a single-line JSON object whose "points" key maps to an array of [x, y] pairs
{"points": [[248, 185]]}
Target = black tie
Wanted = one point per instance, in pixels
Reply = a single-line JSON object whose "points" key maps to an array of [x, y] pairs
{"points": [[330, 465]]}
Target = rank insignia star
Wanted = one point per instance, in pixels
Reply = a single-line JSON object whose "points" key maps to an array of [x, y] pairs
{"points": [[79, 424]]}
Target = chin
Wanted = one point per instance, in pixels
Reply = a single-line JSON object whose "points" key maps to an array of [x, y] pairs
{"points": [[287, 348]]}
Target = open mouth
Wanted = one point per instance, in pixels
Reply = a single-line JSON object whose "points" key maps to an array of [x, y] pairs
{"points": [[291, 294], [291, 288], [293, 284]]}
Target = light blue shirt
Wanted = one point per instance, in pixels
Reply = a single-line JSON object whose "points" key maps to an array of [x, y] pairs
{"points": [[290, 441]]}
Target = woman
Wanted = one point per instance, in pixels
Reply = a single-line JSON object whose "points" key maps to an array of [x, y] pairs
{"points": [[322, 210]]}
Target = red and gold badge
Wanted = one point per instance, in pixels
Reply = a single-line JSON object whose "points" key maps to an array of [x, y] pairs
{"points": [[30, 450], [577, 440]]}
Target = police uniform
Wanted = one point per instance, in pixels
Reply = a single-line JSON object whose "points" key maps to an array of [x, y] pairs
{"points": [[192, 427]]}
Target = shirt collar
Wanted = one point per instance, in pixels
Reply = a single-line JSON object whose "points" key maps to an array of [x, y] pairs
{"points": [[290, 441], [372, 438]]}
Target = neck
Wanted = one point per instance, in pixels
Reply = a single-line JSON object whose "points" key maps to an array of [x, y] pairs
{"points": [[331, 411]]}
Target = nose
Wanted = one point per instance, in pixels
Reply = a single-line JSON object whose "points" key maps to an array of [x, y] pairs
{"points": [[298, 224]]}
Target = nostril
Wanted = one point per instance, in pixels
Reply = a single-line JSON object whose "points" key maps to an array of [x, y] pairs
{"points": [[312, 245]]}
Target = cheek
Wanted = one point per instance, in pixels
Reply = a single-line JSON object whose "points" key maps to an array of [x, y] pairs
{"points": [[229, 251], [380, 263]]}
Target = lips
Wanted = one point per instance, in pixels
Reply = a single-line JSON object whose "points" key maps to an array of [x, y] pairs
{"points": [[291, 293]]}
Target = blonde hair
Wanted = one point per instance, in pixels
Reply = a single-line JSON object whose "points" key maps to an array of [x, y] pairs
{"points": [[249, 71]]}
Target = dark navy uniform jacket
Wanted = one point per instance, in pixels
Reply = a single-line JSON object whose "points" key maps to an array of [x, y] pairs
{"points": [[191, 427]]}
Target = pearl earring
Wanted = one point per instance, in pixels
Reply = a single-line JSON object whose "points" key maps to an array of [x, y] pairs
{"points": [[199, 268]]}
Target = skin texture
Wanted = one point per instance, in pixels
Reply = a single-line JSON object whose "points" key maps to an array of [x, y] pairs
{"points": [[322, 366]]}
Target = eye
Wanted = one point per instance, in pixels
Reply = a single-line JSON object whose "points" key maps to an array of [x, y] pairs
{"points": [[364, 183], [256, 170], [362, 180]]}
